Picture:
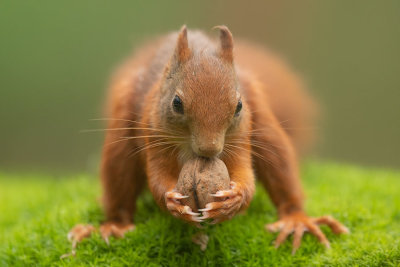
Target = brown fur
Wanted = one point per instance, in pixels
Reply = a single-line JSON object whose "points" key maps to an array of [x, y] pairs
{"points": [[210, 78], [143, 92]]}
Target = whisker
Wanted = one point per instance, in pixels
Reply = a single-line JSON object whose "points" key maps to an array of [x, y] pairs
{"points": [[172, 152], [123, 128], [225, 152], [143, 147], [285, 128], [260, 130], [168, 147], [150, 126], [230, 152], [124, 120], [127, 139], [147, 144], [258, 146], [139, 137], [251, 142], [259, 143], [252, 152], [155, 135], [117, 119], [135, 151]]}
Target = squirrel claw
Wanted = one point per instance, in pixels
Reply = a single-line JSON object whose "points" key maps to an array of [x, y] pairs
{"points": [[180, 211], [298, 223], [80, 232], [197, 219], [188, 210], [336, 226], [227, 193], [175, 195], [224, 209], [204, 216], [117, 230], [224, 193], [76, 235], [207, 208], [107, 240]]}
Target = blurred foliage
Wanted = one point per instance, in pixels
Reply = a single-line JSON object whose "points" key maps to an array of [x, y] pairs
{"points": [[56, 58]]}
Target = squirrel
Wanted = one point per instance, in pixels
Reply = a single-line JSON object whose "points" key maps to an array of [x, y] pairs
{"points": [[186, 94]]}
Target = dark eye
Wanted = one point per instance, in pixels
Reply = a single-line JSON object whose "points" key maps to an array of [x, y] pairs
{"points": [[238, 108], [177, 105]]}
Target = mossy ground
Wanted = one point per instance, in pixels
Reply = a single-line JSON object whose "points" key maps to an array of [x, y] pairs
{"points": [[36, 213]]}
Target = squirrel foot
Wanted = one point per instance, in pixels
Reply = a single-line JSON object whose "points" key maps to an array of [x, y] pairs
{"points": [[80, 232], [76, 235], [298, 223], [114, 229], [231, 201]]}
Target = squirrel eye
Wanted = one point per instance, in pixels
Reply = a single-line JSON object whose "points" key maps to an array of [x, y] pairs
{"points": [[177, 105], [238, 108]]}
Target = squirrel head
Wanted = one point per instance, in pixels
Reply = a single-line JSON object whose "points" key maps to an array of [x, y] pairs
{"points": [[200, 94]]}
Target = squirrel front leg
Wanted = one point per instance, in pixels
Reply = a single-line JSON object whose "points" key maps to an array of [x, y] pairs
{"points": [[276, 167], [122, 179], [238, 197], [162, 173]]}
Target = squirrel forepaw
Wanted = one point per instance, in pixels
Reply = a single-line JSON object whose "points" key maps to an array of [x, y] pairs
{"points": [[230, 204], [172, 201]]}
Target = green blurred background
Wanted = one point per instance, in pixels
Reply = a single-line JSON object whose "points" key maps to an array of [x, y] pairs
{"points": [[56, 58]]}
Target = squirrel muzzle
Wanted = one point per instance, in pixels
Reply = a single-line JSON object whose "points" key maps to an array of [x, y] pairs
{"points": [[208, 146]]}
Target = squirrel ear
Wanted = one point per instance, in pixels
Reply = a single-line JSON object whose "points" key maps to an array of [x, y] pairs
{"points": [[226, 39], [182, 51]]}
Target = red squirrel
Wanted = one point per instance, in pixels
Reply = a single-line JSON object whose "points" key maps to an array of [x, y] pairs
{"points": [[186, 94]]}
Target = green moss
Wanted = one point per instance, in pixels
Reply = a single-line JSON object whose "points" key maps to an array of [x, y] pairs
{"points": [[37, 212]]}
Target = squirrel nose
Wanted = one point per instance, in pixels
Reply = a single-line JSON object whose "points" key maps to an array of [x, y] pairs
{"points": [[207, 145], [209, 152], [208, 149]]}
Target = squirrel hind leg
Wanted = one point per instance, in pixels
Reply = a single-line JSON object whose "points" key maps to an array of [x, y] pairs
{"points": [[78, 233], [117, 230]]}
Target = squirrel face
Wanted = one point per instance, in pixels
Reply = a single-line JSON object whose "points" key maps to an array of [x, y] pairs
{"points": [[200, 95]]}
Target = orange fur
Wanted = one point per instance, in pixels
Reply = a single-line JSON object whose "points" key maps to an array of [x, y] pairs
{"points": [[143, 90], [210, 78]]}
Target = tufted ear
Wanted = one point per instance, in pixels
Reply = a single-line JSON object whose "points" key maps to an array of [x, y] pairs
{"points": [[182, 51], [226, 43]]}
